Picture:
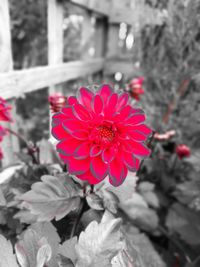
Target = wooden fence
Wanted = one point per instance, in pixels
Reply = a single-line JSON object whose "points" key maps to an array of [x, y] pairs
{"points": [[108, 13]]}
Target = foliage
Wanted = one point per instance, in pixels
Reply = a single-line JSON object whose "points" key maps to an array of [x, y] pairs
{"points": [[49, 218]]}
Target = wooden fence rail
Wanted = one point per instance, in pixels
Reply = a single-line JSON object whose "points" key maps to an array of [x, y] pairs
{"points": [[109, 14]]}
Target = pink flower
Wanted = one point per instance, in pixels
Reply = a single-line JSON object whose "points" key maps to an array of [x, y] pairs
{"points": [[5, 111], [183, 151], [57, 101], [136, 88], [100, 134]]}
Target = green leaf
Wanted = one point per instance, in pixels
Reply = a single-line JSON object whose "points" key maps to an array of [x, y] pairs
{"points": [[110, 200], [124, 191], [54, 197], [141, 252], [47, 230], [32, 250], [99, 243], [138, 211], [185, 222], [188, 192], [67, 249], [95, 202], [7, 258]]}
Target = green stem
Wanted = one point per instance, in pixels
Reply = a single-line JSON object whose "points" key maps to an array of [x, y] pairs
{"points": [[79, 215], [29, 148]]}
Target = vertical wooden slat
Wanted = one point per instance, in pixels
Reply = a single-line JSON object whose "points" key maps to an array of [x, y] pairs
{"points": [[86, 34], [101, 32], [10, 144], [55, 36]]}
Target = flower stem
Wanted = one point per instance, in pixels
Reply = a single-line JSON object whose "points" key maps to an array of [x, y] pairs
{"points": [[79, 215], [29, 148]]}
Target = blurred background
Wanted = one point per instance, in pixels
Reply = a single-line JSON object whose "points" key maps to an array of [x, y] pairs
{"points": [[149, 48]]}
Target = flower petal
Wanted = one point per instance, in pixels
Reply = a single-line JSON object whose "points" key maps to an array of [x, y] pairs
{"points": [[143, 129], [59, 132], [117, 172], [68, 146], [136, 148], [97, 104], [135, 119], [88, 176], [95, 150], [80, 134], [131, 162], [105, 91], [72, 100], [82, 151], [86, 97], [77, 166], [122, 101], [124, 113], [108, 154], [72, 125], [81, 113], [98, 168], [137, 136]]}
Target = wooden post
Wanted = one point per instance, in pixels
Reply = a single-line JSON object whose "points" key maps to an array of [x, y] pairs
{"points": [[10, 144], [55, 36]]}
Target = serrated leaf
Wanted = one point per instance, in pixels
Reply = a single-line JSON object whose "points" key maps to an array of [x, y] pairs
{"points": [[7, 258], [54, 197], [124, 191], [67, 249], [99, 243], [110, 200], [95, 202]]}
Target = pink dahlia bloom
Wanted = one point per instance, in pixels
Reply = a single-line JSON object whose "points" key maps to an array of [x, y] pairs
{"points": [[5, 111], [183, 151], [101, 135], [57, 101], [136, 88]]}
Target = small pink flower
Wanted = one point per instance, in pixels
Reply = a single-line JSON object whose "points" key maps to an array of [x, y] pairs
{"points": [[5, 111], [136, 88], [182, 151], [57, 101], [101, 135]]}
